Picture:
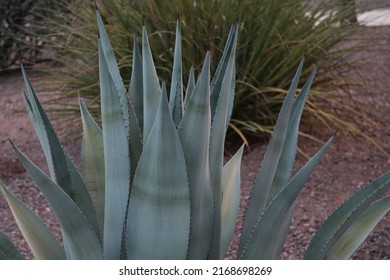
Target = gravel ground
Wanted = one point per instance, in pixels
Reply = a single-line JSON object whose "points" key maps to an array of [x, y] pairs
{"points": [[351, 163]]}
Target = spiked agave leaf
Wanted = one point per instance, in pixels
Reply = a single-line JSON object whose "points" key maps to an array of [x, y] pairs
{"points": [[190, 86], [350, 221], [176, 94], [92, 162], [272, 181], [194, 132], [222, 93], [261, 243], [116, 130], [8, 251], [117, 163], [151, 86], [136, 85], [158, 223], [263, 182], [359, 230], [41, 240], [285, 164], [230, 199], [80, 240], [62, 169]]}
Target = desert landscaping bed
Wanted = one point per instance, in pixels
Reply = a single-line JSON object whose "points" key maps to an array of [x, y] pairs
{"points": [[351, 163]]}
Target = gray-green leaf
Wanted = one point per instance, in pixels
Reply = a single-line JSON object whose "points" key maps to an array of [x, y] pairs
{"points": [[40, 239], [230, 199], [263, 238], [354, 236], [158, 224], [8, 251], [194, 132], [82, 241], [344, 216]]}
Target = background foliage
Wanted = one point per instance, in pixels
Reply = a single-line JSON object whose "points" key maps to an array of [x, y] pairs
{"points": [[20, 30], [274, 35]]}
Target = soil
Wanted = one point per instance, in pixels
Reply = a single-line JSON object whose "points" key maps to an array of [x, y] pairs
{"points": [[351, 163]]}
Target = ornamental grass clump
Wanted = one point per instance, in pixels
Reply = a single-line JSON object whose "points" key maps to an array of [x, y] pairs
{"points": [[153, 183], [274, 34]]}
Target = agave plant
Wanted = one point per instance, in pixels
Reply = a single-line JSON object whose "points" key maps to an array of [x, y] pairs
{"points": [[153, 183]]}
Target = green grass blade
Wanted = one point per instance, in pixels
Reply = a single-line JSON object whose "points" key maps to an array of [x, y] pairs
{"points": [[194, 132], [176, 93], [230, 199], [151, 86], [8, 251], [80, 238], [265, 176], [359, 230], [116, 162], [264, 235], [136, 85], [92, 162], [158, 224], [342, 219], [62, 169], [40, 239]]}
